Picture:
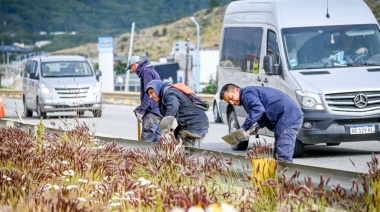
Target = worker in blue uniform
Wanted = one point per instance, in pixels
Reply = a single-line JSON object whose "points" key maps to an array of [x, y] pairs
{"points": [[271, 108]]}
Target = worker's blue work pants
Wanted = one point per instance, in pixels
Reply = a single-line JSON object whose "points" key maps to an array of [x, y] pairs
{"points": [[284, 143], [150, 127]]}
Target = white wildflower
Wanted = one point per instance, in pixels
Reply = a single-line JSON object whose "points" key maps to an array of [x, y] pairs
{"points": [[56, 187], [69, 172], [196, 208], [114, 204], [65, 162], [152, 186], [227, 207], [69, 187], [82, 180], [130, 193], [114, 198], [144, 181], [177, 209], [82, 199]]}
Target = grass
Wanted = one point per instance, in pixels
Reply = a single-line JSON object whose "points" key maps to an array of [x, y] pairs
{"points": [[48, 171]]}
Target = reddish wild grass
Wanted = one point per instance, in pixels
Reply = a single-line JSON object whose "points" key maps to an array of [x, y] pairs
{"points": [[71, 172]]}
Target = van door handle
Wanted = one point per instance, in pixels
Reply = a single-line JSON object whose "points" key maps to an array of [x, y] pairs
{"points": [[258, 79], [266, 80]]}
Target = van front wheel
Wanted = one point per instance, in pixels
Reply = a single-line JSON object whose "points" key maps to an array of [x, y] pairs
{"points": [[27, 112], [232, 126], [299, 147], [39, 111], [97, 113]]}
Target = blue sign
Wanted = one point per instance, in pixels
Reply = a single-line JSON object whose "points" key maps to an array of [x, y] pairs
{"points": [[105, 44]]}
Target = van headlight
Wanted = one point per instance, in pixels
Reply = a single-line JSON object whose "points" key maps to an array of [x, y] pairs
{"points": [[309, 100], [44, 90], [97, 88]]}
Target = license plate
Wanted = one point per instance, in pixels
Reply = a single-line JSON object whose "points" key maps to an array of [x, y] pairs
{"points": [[362, 129]]}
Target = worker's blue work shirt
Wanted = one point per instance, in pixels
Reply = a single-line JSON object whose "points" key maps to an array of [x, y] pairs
{"points": [[147, 73], [269, 107]]}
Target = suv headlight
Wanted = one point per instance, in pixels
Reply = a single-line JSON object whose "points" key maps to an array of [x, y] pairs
{"points": [[97, 88], [44, 90], [309, 100]]}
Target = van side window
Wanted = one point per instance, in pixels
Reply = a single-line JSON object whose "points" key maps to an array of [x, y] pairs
{"points": [[273, 48], [26, 70], [241, 48], [33, 70]]}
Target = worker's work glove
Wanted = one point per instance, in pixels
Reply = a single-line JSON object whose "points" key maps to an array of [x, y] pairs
{"points": [[168, 124], [138, 115]]}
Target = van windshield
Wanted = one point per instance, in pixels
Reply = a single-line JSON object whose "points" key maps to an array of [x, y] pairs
{"points": [[332, 46], [66, 69]]}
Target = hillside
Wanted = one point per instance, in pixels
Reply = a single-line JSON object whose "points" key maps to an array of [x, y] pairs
{"points": [[30, 21], [155, 44]]}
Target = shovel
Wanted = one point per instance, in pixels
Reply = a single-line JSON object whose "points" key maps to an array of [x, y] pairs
{"points": [[238, 136], [138, 126]]}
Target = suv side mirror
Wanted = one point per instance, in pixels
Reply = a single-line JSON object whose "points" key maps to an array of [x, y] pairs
{"points": [[98, 73]]}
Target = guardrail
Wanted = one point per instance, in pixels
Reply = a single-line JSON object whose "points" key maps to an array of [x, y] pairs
{"points": [[240, 163], [129, 98]]}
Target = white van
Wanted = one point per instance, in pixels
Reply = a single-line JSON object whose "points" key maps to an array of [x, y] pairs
{"points": [[61, 83], [324, 54]]}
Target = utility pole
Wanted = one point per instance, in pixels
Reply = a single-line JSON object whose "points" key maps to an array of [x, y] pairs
{"points": [[129, 56], [187, 65]]}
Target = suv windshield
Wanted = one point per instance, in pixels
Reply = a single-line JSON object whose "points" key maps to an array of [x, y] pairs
{"points": [[332, 46], [66, 69]]}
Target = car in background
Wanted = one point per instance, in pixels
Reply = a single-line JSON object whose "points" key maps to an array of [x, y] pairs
{"points": [[61, 83]]}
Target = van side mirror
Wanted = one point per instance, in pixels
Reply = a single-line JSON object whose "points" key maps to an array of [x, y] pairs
{"points": [[269, 66]]}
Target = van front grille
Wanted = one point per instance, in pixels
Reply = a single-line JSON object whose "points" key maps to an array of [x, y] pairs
{"points": [[367, 101], [69, 93]]}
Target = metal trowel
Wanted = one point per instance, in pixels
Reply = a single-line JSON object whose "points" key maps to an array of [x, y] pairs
{"points": [[238, 136]]}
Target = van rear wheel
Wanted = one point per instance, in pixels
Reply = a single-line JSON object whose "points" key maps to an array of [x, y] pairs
{"points": [[232, 126]]}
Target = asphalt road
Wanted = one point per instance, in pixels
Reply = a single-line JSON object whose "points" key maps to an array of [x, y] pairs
{"points": [[118, 121]]}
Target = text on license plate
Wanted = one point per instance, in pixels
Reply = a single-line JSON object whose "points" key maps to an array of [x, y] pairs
{"points": [[362, 129]]}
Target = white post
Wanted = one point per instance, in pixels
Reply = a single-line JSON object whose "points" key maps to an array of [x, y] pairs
{"points": [[197, 78], [129, 56]]}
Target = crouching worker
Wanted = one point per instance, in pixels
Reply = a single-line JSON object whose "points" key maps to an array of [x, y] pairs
{"points": [[270, 108], [192, 121]]}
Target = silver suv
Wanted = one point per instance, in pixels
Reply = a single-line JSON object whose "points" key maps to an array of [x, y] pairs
{"points": [[61, 83]]}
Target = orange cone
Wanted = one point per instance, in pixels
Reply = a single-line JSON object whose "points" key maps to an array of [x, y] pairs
{"points": [[2, 110]]}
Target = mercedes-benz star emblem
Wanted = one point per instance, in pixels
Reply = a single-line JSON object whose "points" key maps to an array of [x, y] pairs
{"points": [[360, 100]]}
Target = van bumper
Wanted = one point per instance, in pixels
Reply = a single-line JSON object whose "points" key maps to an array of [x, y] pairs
{"points": [[327, 128], [70, 105]]}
